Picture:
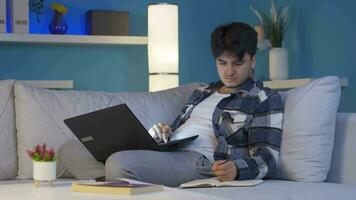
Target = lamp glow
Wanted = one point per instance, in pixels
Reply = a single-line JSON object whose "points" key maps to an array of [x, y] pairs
{"points": [[163, 49]]}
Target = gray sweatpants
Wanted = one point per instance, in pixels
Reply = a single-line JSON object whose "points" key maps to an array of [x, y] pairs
{"points": [[170, 168]]}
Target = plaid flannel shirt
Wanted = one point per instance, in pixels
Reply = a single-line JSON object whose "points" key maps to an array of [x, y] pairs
{"points": [[247, 125]]}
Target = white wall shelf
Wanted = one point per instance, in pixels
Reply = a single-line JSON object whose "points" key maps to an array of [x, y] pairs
{"points": [[72, 39], [293, 83], [49, 84]]}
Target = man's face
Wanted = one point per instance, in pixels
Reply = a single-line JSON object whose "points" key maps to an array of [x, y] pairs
{"points": [[232, 71]]}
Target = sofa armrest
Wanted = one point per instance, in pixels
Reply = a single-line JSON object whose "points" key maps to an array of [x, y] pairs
{"points": [[343, 164]]}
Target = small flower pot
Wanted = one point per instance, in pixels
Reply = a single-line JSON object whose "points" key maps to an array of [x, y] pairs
{"points": [[44, 171], [278, 63]]}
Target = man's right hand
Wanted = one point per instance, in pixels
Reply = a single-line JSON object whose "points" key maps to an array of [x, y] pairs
{"points": [[160, 132]]}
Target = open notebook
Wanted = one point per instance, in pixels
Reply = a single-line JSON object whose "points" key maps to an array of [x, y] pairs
{"points": [[214, 182]]}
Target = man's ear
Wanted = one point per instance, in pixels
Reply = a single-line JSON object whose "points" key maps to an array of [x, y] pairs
{"points": [[253, 64], [253, 59]]}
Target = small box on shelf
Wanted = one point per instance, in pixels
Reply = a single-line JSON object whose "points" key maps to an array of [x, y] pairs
{"points": [[100, 22]]}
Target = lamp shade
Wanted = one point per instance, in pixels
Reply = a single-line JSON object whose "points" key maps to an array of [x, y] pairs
{"points": [[163, 56]]}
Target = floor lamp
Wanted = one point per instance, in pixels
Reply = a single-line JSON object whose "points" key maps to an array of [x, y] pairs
{"points": [[163, 55]]}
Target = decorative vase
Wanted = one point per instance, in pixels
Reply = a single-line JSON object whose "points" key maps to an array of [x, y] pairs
{"points": [[44, 171], [57, 24], [278, 63]]}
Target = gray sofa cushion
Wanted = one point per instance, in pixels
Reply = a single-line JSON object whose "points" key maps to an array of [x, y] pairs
{"points": [[8, 153], [40, 114], [343, 164], [308, 130]]}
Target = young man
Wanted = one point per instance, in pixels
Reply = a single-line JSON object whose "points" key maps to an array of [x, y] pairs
{"points": [[239, 123]]}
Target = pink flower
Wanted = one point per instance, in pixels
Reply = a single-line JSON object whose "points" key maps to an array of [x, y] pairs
{"points": [[37, 148], [30, 153], [40, 153], [51, 152]]}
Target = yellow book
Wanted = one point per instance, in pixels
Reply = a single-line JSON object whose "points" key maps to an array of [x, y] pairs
{"points": [[115, 187], [214, 182]]}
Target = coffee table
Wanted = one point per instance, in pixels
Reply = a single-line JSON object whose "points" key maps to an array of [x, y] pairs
{"points": [[62, 191]]}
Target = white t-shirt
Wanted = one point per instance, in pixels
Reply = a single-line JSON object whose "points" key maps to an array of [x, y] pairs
{"points": [[200, 123]]}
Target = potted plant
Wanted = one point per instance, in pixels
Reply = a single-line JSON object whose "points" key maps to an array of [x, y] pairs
{"points": [[36, 6], [275, 26], [44, 164]]}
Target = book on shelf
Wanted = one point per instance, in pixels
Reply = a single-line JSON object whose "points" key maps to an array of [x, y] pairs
{"points": [[214, 182], [2, 16], [116, 187], [19, 10]]}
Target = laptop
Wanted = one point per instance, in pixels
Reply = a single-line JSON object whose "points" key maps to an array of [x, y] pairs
{"points": [[107, 131]]}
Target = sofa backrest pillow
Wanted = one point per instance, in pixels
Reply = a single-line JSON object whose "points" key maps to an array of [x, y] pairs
{"points": [[308, 130], [8, 153]]}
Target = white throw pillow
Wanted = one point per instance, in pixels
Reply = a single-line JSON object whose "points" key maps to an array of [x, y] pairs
{"points": [[40, 114], [8, 156], [308, 130]]}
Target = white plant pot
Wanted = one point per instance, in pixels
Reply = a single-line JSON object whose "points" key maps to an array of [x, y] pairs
{"points": [[44, 171], [278, 63]]}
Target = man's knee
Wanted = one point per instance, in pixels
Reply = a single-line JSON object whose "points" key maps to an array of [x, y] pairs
{"points": [[120, 165]]}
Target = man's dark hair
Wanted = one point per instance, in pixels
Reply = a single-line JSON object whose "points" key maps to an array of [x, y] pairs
{"points": [[236, 38]]}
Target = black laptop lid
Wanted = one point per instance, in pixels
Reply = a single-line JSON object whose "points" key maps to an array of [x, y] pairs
{"points": [[110, 130]]}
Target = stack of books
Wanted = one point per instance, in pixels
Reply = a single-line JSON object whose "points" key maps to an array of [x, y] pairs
{"points": [[18, 13], [116, 187]]}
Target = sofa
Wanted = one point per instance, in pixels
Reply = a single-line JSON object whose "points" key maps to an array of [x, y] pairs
{"points": [[316, 160]]}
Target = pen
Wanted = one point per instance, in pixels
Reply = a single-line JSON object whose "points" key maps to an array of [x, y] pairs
{"points": [[225, 161]]}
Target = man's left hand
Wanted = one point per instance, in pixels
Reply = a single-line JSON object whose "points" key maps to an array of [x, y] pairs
{"points": [[224, 170]]}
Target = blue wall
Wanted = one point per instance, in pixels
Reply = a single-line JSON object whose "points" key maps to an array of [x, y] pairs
{"points": [[321, 40]]}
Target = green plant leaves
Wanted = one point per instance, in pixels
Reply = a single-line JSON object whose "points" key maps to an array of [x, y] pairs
{"points": [[275, 24], [36, 6]]}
